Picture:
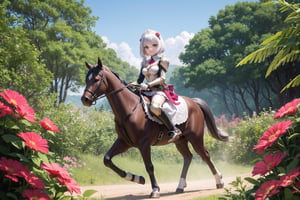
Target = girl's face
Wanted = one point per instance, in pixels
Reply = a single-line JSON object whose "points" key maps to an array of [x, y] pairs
{"points": [[150, 48]]}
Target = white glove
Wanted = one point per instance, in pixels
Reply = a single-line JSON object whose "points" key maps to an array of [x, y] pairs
{"points": [[144, 86]]}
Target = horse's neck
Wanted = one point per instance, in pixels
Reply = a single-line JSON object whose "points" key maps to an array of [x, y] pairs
{"points": [[121, 99]]}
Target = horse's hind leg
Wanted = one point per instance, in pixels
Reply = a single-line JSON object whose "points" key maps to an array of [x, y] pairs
{"points": [[183, 148], [119, 147], [201, 150]]}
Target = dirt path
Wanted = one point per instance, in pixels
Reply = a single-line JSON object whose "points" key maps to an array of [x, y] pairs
{"points": [[135, 191]]}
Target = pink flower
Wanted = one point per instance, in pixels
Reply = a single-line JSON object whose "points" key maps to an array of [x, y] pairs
{"points": [[13, 169], [26, 112], [271, 135], [270, 161], [35, 195], [63, 177], [35, 141], [14, 98], [47, 124], [34, 181], [267, 189], [5, 110], [287, 109], [289, 178]]}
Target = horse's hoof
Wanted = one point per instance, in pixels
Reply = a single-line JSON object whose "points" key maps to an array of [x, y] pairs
{"points": [[220, 185], [155, 194], [179, 190], [142, 180]]}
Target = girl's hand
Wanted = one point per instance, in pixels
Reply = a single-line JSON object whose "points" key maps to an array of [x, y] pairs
{"points": [[144, 86]]}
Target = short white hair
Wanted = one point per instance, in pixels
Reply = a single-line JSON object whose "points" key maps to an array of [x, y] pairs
{"points": [[151, 36]]}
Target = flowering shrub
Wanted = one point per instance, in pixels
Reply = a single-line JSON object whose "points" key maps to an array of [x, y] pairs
{"points": [[244, 135], [72, 162], [26, 171], [278, 174]]}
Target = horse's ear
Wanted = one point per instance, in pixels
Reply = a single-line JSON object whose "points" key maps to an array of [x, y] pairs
{"points": [[100, 63], [88, 65]]}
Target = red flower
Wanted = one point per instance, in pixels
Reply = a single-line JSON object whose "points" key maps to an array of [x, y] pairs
{"points": [[34, 195], [55, 170], [5, 110], [13, 169], [35, 141], [62, 175], [26, 112], [71, 184], [271, 135], [47, 124], [287, 109], [270, 161], [289, 178], [34, 181], [267, 189], [14, 98]]}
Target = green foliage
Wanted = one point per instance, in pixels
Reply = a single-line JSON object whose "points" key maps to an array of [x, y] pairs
{"points": [[23, 152], [44, 44], [20, 68], [245, 135], [212, 54], [284, 45], [87, 129], [239, 189]]}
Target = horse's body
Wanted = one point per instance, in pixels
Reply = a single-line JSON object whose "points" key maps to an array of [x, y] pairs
{"points": [[136, 130]]}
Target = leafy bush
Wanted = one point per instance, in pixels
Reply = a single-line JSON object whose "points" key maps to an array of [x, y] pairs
{"points": [[278, 172], [27, 170], [87, 129], [244, 135]]}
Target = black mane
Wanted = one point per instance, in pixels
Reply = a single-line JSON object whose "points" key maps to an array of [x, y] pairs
{"points": [[117, 75]]}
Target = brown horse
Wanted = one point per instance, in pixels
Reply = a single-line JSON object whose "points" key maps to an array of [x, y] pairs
{"points": [[136, 130]]}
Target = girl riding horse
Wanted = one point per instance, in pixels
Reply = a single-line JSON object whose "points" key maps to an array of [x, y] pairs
{"points": [[154, 68]]}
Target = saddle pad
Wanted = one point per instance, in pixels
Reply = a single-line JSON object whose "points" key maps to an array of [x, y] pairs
{"points": [[178, 114]]}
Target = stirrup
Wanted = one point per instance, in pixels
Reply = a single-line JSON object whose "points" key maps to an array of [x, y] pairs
{"points": [[174, 135]]}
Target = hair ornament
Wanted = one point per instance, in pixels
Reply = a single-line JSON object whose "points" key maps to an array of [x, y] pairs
{"points": [[157, 35]]}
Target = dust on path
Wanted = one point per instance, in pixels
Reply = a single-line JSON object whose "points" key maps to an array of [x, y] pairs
{"points": [[135, 191]]}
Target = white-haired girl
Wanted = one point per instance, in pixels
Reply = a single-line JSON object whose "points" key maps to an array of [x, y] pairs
{"points": [[153, 68]]}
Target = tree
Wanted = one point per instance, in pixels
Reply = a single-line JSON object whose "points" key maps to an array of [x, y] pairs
{"points": [[212, 54], [61, 31], [283, 47], [19, 66]]}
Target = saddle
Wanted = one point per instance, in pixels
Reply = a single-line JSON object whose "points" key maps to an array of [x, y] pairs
{"points": [[178, 114]]}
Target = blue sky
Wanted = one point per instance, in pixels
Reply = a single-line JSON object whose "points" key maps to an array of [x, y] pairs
{"points": [[121, 23]]}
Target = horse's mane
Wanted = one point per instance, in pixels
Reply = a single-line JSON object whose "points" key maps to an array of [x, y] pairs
{"points": [[125, 83], [118, 76]]}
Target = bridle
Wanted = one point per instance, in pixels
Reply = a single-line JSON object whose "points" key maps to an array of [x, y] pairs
{"points": [[94, 97]]}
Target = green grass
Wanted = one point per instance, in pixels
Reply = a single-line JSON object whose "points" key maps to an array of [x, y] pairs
{"points": [[95, 173], [212, 197]]}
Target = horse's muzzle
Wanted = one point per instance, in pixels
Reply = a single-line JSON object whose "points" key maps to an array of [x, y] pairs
{"points": [[86, 101]]}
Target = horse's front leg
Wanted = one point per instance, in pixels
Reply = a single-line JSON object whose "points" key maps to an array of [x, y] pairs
{"points": [[145, 149], [118, 147]]}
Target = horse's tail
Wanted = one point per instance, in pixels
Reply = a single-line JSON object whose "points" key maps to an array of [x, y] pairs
{"points": [[210, 121]]}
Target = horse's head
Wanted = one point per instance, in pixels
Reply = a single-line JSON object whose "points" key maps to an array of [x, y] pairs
{"points": [[95, 84]]}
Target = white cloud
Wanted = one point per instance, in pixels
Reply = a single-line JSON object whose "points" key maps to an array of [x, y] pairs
{"points": [[124, 52], [174, 46]]}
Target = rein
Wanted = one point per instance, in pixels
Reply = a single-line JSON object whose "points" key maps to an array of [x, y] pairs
{"points": [[95, 98], [94, 95]]}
